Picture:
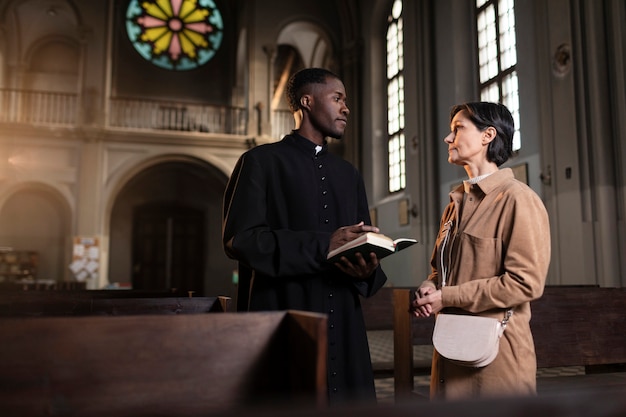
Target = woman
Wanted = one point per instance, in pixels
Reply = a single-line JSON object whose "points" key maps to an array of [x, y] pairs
{"points": [[491, 255]]}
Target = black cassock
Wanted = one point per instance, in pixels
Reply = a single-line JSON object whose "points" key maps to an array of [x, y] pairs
{"points": [[281, 205]]}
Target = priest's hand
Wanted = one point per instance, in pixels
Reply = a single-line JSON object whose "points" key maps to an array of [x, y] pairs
{"points": [[347, 234], [362, 269]]}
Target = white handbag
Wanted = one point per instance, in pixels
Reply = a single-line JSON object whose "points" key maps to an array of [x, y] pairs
{"points": [[467, 340]]}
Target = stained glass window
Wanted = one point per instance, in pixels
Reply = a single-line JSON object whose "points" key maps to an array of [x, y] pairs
{"points": [[175, 34]]}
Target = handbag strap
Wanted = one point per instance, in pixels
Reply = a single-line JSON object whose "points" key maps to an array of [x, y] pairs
{"points": [[444, 269], [507, 317]]}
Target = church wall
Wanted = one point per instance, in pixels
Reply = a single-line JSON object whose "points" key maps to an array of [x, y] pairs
{"points": [[84, 164]]}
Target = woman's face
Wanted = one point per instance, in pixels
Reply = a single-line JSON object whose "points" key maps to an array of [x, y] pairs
{"points": [[466, 144]]}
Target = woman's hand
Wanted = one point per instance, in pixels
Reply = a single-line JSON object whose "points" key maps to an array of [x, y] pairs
{"points": [[427, 301]]}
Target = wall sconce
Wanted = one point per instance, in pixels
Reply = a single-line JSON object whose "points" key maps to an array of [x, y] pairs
{"points": [[562, 60]]}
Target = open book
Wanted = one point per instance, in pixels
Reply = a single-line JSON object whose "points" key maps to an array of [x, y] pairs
{"points": [[378, 243]]}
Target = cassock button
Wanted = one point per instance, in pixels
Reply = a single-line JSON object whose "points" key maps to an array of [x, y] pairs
{"points": [[324, 192], [333, 374], [323, 178], [330, 295], [325, 206], [332, 326], [326, 221], [319, 166], [331, 311], [335, 390]]}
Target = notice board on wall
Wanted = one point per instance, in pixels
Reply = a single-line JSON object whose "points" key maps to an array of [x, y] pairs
{"points": [[85, 257]]}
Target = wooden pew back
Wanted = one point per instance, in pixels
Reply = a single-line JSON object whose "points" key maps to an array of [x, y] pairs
{"points": [[180, 365], [81, 303], [578, 325], [378, 309]]}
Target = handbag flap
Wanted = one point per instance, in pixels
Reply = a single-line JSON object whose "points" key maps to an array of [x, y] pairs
{"points": [[466, 338]]}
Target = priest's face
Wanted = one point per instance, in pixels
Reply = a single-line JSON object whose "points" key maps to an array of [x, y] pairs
{"points": [[328, 110]]}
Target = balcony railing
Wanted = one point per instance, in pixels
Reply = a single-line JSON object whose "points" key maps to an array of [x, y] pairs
{"points": [[166, 115], [41, 108], [38, 107]]}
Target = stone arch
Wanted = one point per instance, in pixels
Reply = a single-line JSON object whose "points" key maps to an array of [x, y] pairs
{"points": [[64, 8], [299, 44], [36, 217], [171, 185], [28, 22], [53, 64], [311, 41]]}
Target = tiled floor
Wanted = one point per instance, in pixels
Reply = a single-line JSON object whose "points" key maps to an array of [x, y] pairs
{"points": [[381, 350]]}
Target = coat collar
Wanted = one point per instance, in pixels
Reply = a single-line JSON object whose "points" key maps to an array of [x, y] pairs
{"points": [[490, 183], [486, 185]]}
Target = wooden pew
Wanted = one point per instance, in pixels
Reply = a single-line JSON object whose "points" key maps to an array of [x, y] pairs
{"points": [[378, 309], [178, 365], [378, 314], [571, 325], [581, 326], [407, 332], [585, 404], [42, 286], [95, 302]]}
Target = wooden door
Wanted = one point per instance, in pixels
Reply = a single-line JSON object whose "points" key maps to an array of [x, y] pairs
{"points": [[168, 248]]}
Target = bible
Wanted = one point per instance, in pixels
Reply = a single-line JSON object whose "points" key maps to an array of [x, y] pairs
{"points": [[369, 242]]}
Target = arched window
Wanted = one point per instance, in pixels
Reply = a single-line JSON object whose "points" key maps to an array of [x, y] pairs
{"points": [[497, 57], [395, 99]]}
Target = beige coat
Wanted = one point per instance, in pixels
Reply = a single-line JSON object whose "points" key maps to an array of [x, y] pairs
{"points": [[497, 257]]}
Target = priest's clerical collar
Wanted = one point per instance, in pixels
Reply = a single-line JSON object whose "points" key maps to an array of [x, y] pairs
{"points": [[309, 144]]}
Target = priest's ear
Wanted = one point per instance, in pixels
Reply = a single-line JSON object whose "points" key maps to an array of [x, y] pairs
{"points": [[305, 102]]}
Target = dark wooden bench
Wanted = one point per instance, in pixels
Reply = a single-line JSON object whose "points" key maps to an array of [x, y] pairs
{"points": [[42, 286], [378, 309], [573, 326], [587, 404], [175, 365], [98, 302]]}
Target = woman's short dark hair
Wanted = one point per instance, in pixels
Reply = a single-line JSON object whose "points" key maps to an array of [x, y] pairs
{"points": [[301, 79], [484, 114]]}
